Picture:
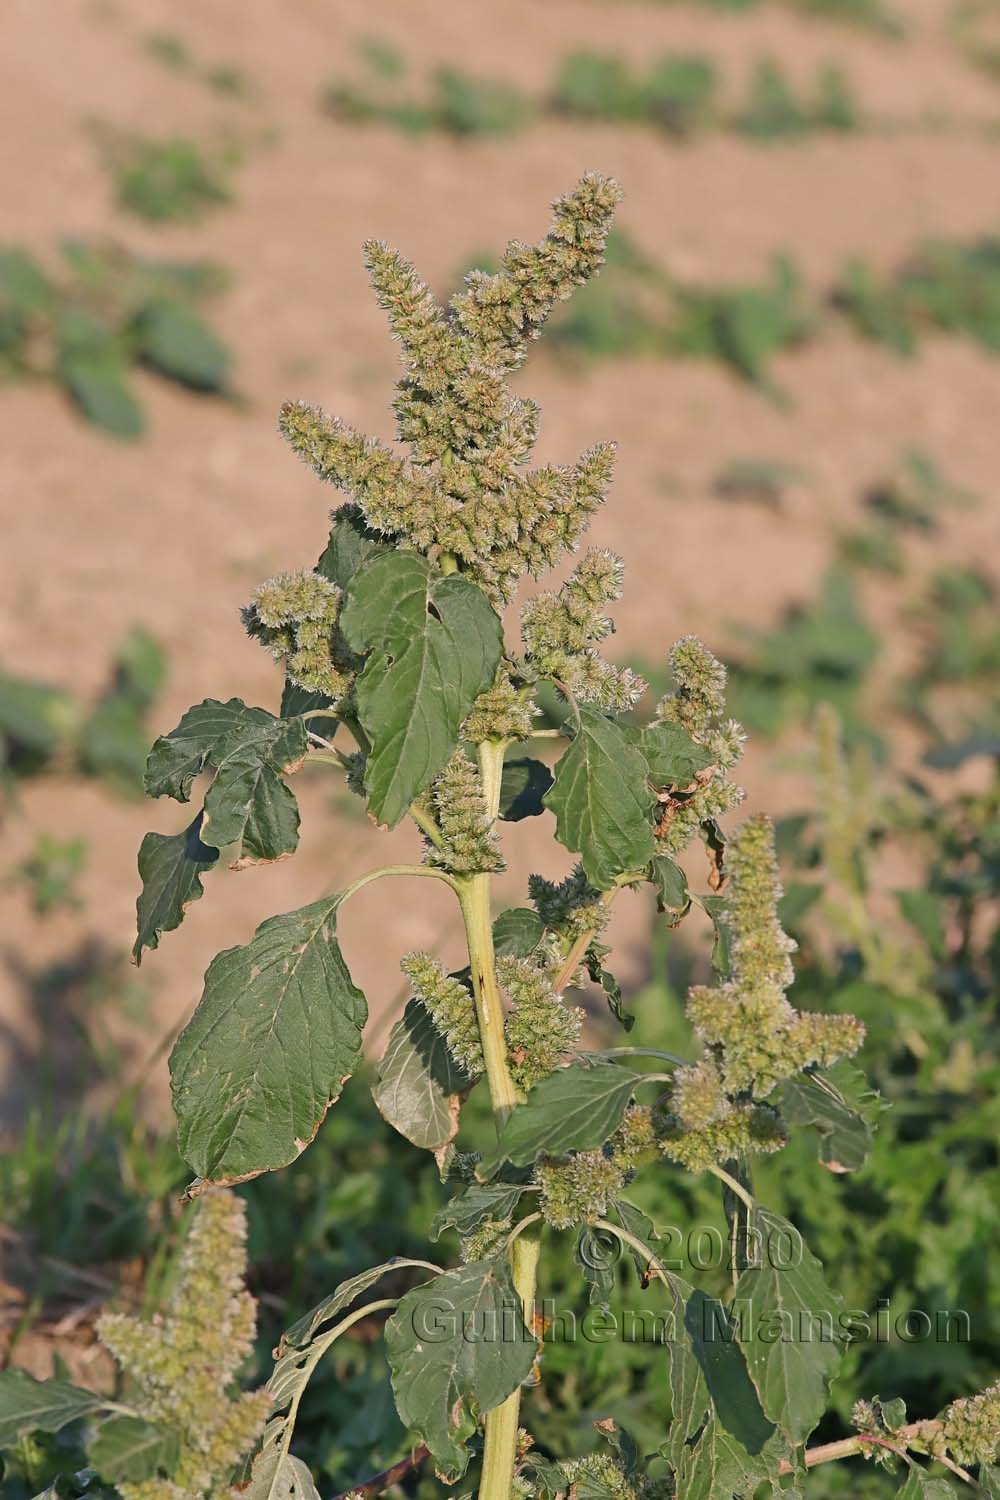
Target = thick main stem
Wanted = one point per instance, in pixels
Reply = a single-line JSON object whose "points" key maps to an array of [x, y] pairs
{"points": [[500, 1447]]}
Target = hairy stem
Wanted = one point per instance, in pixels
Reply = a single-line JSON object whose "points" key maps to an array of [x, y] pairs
{"points": [[500, 1448], [426, 871]]}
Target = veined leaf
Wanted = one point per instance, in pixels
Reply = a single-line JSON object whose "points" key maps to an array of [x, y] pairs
{"points": [[672, 894], [457, 1347], [274, 1038], [829, 1103], [921, 1486], [29, 1405], [575, 1109], [132, 1449], [275, 1474], [672, 755], [171, 866], [718, 1467], [340, 1299], [435, 643], [713, 1332], [209, 734], [517, 932], [790, 1330], [350, 545], [248, 805], [479, 1202], [602, 801], [418, 1085]]}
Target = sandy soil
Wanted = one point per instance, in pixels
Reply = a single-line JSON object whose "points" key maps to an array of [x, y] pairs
{"points": [[173, 532]]}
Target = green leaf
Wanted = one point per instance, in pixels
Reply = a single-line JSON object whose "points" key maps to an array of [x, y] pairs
{"points": [[718, 1467], [302, 1333], [36, 717], [276, 1475], [523, 786], [715, 908], [418, 1085], [479, 1202], [517, 932], [435, 643], [920, 1486], [175, 341], [274, 1038], [575, 1109], [925, 911], [350, 545], [170, 866], [593, 958], [457, 1347], [689, 1399], [248, 805], [826, 1102], [131, 1449], [791, 1334], [98, 384], [672, 755], [209, 734], [713, 1330], [672, 894], [29, 1405], [23, 283], [602, 801]]}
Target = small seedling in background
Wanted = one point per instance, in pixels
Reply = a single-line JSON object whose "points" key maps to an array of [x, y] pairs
{"points": [[744, 326], [774, 112], [762, 481], [167, 179], [909, 500], [821, 652], [42, 726], [51, 871], [108, 312], [947, 286], [454, 102], [169, 49], [113, 738], [676, 93], [173, 52]]}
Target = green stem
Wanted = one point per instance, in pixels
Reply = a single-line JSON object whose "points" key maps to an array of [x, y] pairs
{"points": [[427, 872], [474, 895], [315, 1353], [500, 1448]]}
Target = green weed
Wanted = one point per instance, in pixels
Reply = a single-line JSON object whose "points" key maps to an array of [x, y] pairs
{"points": [[106, 313]]}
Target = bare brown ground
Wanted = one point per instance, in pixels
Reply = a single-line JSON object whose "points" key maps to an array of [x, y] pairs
{"points": [[174, 531]]}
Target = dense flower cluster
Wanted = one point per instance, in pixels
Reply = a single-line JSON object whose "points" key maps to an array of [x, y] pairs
{"points": [[697, 703], [754, 1038], [971, 1427], [468, 843], [464, 489], [503, 713], [539, 1030], [562, 629], [295, 616], [579, 1189], [450, 1006], [570, 907], [182, 1365]]}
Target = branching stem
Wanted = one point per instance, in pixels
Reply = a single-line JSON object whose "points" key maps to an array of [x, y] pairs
{"points": [[425, 871]]}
